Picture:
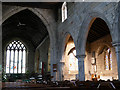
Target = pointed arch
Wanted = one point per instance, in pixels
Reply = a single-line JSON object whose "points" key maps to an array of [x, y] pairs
{"points": [[84, 30], [69, 58], [65, 40], [43, 15]]}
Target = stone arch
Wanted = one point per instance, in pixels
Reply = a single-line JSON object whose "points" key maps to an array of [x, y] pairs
{"points": [[64, 41], [36, 12], [61, 55], [68, 45], [45, 20], [84, 30]]}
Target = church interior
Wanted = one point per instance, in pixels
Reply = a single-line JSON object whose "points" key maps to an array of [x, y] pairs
{"points": [[60, 45]]}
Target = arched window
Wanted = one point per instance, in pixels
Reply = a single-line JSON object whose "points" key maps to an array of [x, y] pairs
{"points": [[64, 11], [108, 59], [15, 57]]}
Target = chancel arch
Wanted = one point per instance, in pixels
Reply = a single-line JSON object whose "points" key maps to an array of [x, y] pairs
{"points": [[42, 14], [27, 26]]}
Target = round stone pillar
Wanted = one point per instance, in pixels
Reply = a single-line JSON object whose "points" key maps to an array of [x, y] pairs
{"points": [[81, 71], [117, 49]]}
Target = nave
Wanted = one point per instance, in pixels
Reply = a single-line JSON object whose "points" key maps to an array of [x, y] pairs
{"points": [[50, 46]]}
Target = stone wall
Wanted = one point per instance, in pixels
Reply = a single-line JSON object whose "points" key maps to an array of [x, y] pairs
{"points": [[79, 16], [43, 51]]}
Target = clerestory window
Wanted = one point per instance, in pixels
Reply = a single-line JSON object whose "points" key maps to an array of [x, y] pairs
{"points": [[64, 11]]}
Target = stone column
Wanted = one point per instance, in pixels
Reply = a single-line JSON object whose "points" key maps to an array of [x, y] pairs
{"points": [[81, 71], [117, 50], [61, 68]]}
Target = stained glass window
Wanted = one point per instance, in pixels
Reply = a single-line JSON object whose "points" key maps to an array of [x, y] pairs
{"points": [[108, 59], [15, 57]]}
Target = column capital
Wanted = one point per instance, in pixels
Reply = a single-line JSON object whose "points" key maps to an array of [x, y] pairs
{"points": [[61, 62], [80, 56], [115, 44]]}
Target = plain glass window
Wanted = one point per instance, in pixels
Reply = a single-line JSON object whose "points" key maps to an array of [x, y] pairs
{"points": [[64, 11], [108, 59]]}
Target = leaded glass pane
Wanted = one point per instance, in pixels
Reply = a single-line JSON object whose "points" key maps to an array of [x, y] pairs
{"points": [[7, 61], [18, 45], [22, 45], [24, 56], [8, 48], [19, 65], [24, 48], [10, 45], [20, 48], [11, 62], [14, 45], [16, 57]]}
